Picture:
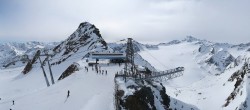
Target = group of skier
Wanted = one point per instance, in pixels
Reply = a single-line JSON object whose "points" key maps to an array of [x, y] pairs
{"points": [[98, 70]]}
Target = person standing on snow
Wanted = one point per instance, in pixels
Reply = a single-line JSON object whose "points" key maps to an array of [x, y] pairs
{"points": [[68, 94]]}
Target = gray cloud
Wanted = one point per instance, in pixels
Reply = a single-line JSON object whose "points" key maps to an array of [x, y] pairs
{"points": [[144, 20]]}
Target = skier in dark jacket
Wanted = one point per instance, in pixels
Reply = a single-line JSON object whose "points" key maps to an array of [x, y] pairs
{"points": [[68, 93]]}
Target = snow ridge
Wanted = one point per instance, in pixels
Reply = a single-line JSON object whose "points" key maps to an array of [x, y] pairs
{"points": [[85, 39], [15, 54]]}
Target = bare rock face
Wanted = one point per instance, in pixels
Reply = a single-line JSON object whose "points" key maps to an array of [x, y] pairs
{"points": [[28, 66], [146, 96], [70, 70], [239, 77]]}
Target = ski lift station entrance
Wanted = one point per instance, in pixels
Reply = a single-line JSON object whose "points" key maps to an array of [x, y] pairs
{"points": [[115, 57]]}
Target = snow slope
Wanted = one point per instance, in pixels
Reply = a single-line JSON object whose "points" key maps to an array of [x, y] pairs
{"points": [[88, 90], [167, 58], [203, 84]]}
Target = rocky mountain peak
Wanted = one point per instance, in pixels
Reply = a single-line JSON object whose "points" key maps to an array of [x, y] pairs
{"points": [[86, 38], [191, 39], [221, 59]]}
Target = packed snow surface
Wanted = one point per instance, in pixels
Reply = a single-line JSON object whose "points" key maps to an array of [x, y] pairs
{"points": [[88, 90], [202, 84], [181, 55]]}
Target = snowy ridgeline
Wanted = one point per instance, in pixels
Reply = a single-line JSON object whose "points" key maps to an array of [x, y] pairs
{"points": [[204, 85], [208, 66], [18, 54]]}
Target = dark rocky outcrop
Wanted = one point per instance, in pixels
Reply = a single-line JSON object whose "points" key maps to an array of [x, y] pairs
{"points": [[239, 77], [248, 50], [28, 67], [147, 95], [142, 99], [70, 70]]}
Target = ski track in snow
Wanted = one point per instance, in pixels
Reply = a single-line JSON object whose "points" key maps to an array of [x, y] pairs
{"points": [[88, 90]]}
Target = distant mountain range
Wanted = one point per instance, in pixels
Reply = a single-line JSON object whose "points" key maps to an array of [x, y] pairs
{"points": [[14, 54], [209, 66]]}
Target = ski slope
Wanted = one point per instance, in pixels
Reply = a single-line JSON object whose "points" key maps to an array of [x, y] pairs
{"points": [[202, 85], [88, 90]]}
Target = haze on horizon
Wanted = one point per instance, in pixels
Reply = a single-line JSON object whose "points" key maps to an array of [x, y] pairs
{"points": [[143, 20]]}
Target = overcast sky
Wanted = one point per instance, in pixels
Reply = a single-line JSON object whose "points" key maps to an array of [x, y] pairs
{"points": [[143, 20]]}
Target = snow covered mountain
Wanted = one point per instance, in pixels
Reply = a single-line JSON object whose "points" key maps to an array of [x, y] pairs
{"points": [[121, 46], [78, 45], [215, 77], [207, 78], [84, 40], [15, 54]]}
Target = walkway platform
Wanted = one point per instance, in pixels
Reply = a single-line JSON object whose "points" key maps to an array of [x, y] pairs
{"points": [[107, 55]]}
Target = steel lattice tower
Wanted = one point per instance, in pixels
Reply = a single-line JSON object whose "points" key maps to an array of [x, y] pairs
{"points": [[129, 63]]}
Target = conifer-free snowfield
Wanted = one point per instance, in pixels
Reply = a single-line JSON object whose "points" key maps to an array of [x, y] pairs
{"points": [[88, 90], [201, 84], [215, 77]]}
